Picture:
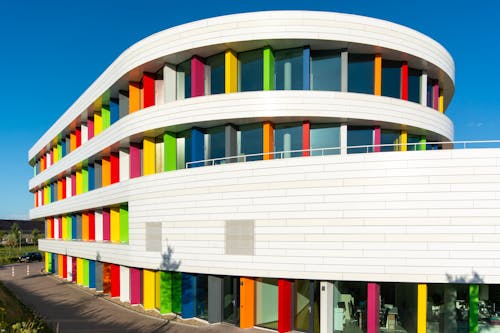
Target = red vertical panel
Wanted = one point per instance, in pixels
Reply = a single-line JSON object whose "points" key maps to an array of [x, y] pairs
{"points": [[115, 280], [36, 198], [106, 278], [78, 134], [105, 224], [73, 184], [51, 154], [135, 160], [148, 86], [404, 81], [115, 167], [197, 77], [91, 226], [90, 127], [284, 305], [63, 181], [73, 269], [306, 138], [64, 267], [41, 197]]}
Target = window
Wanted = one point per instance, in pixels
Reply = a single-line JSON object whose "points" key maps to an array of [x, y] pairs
{"points": [[360, 70], [430, 100], [325, 136], [414, 85], [288, 67], [250, 141], [183, 149], [391, 78], [216, 143], [389, 138], [214, 78], [413, 141], [184, 80], [359, 136], [287, 138], [266, 303], [325, 70], [250, 71]]}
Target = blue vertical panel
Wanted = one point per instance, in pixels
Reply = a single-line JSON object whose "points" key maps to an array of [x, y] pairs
{"points": [[73, 227], [306, 67], [197, 146], [114, 110], [91, 274], [188, 295], [53, 263], [63, 147], [90, 170]]}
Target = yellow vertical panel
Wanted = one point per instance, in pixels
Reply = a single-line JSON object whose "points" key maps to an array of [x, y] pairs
{"points": [[441, 102], [55, 154], [149, 285], [377, 77], [268, 140], [63, 228], [97, 122], [114, 218], [422, 308], [47, 261], [149, 149], [403, 140], [78, 182], [231, 72], [134, 91], [157, 289], [79, 270]]}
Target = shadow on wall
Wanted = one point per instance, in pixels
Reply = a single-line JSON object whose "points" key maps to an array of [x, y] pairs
{"points": [[475, 278], [167, 263]]}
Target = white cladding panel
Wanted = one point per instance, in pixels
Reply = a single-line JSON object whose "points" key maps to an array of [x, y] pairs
{"points": [[420, 216]]}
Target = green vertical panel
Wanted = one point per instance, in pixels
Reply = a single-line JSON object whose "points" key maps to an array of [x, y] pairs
{"points": [[106, 116], [49, 193], [85, 179], [124, 223], [268, 68], [422, 143], [170, 151], [85, 264], [176, 292], [473, 308], [59, 151], [165, 292], [70, 227]]}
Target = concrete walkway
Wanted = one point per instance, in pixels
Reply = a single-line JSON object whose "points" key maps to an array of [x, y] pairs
{"points": [[76, 310]]}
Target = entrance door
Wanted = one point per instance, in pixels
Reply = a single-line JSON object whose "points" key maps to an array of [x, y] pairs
{"points": [[306, 307], [231, 300]]}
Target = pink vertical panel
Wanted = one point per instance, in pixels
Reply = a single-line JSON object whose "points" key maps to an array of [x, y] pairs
{"points": [[197, 77], [435, 95], [376, 138], [373, 308], [73, 184], [105, 225], [135, 160], [90, 127], [135, 285], [306, 138]]}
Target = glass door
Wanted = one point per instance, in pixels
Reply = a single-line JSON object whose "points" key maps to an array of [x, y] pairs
{"points": [[231, 300]]}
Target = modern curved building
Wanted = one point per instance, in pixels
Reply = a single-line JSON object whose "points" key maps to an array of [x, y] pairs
{"points": [[290, 170]]}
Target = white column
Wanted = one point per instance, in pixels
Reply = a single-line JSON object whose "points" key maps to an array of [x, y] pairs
{"points": [[56, 228], [69, 268], [169, 83], [159, 92], [326, 307], [344, 66], [124, 156], [49, 162], [124, 284], [85, 133], [208, 79], [423, 88], [98, 225], [68, 186], [343, 139], [288, 76]]}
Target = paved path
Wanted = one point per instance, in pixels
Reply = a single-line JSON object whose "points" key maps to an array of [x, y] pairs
{"points": [[76, 310]]}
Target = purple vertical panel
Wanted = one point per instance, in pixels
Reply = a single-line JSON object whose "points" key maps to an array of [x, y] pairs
{"points": [[135, 285], [376, 138], [73, 184], [106, 225], [135, 160], [373, 308], [435, 95], [197, 77], [73, 269]]}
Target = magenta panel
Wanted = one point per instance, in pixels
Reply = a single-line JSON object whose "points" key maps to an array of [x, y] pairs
{"points": [[90, 126], [376, 138], [435, 95], [197, 77], [135, 160], [135, 285], [373, 308], [59, 223], [73, 184], [106, 225]]}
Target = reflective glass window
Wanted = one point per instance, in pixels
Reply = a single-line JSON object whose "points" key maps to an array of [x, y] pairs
{"points": [[389, 138], [250, 71], [214, 82], [216, 145], [360, 72], [288, 68], [449, 308], [359, 136], [202, 296], [266, 303], [184, 79], [183, 149], [398, 307], [325, 136], [287, 138], [413, 141], [306, 307], [391, 78], [325, 70], [349, 312], [250, 141], [429, 93], [414, 85]]}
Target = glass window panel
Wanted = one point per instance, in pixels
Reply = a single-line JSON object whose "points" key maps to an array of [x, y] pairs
{"points": [[183, 149], [287, 137], [302, 305], [449, 305], [250, 141], [391, 78], [414, 85], [231, 304], [266, 303], [429, 93], [359, 136], [250, 71], [489, 303], [184, 80], [216, 143], [215, 80], [288, 67], [412, 142], [325, 136], [398, 307], [325, 70], [349, 313], [360, 71], [389, 138], [202, 296]]}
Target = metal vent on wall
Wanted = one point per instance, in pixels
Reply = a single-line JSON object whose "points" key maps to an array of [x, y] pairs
{"points": [[153, 236], [239, 237]]}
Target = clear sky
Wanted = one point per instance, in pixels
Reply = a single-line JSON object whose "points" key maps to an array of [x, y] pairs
{"points": [[51, 51]]}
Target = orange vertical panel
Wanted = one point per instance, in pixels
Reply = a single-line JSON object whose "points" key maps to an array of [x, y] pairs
{"points": [[106, 278], [134, 91], [247, 302], [85, 226], [268, 133], [59, 190], [377, 77], [72, 141], [106, 171]]}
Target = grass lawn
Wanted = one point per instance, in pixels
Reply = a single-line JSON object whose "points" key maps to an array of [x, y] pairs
{"points": [[10, 254]]}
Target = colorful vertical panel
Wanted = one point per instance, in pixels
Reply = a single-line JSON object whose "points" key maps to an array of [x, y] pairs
{"points": [[404, 81], [149, 158], [441, 101], [72, 141], [188, 292], [97, 122], [73, 184], [306, 140], [247, 302], [60, 264], [197, 146], [306, 67], [114, 161], [165, 292], [268, 140], [115, 224], [377, 138], [231, 72], [106, 171], [90, 128], [170, 151], [78, 179], [135, 286], [92, 279], [134, 94], [124, 284], [85, 272], [135, 160], [106, 232], [373, 308], [124, 223], [74, 227], [435, 95], [284, 305], [197, 76], [403, 140], [85, 179], [114, 112], [106, 278], [79, 270], [64, 262], [85, 226], [91, 217], [422, 308], [63, 188], [268, 77], [176, 292], [78, 137], [377, 77], [115, 280], [473, 308], [149, 285], [90, 177], [148, 86]]}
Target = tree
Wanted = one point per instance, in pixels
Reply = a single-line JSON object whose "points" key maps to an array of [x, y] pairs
{"points": [[35, 235], [15, 231]]}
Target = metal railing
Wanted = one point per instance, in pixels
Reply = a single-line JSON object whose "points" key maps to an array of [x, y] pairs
{"points": [[416, 146]]}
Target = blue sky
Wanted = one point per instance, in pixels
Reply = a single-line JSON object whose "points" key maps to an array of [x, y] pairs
{"points": [[53, 50]]}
